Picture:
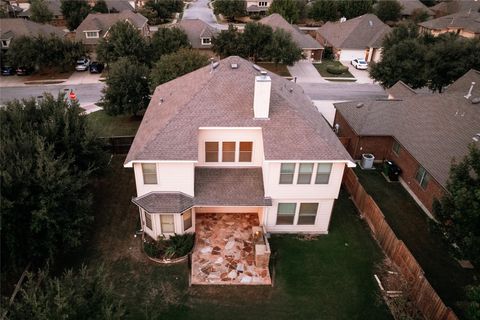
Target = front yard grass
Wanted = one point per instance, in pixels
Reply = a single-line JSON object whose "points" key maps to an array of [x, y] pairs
{"points": [[109, 126], [322, 69], [330, 277], [413, 227], [279, 69], [49, 75]]}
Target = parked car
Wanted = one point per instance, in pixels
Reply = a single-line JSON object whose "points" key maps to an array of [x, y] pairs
{"points": [[360, 64], [82, 64], [8, 71], [96, 67], [24, 71]]}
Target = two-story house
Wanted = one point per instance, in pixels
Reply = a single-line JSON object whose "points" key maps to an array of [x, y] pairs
{"points": [[232, 138], [258, 7]]}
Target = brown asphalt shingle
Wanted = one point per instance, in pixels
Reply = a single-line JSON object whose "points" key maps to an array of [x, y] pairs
{"points": [[409, 7], [469, 21], [195, 29], [164, 202], [11, 28]]}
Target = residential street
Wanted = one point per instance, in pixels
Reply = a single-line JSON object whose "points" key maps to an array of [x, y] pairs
{"points": [[200, 10]]}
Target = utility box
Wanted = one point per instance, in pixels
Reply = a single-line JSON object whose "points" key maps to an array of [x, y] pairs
{"points": [[391, 170]]}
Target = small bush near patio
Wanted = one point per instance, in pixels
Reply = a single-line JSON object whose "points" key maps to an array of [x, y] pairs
{"points": [[332, 69], [175, 247]]}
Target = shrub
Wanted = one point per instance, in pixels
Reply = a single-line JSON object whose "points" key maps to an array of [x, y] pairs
{"points": [[328, 53], [255, 16], [176, 246], [337, 69]]}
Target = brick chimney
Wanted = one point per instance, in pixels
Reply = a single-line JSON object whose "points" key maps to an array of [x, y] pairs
{"points": [[261, 98]]}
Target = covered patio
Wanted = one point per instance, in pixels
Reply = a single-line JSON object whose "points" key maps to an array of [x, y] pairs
{"points": [[228, 250]]}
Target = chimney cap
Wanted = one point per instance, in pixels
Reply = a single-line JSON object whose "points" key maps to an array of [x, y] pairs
{"points": [[263, 73]]}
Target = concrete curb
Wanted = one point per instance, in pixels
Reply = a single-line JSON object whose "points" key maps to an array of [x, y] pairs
{"points": [[53, 81]]}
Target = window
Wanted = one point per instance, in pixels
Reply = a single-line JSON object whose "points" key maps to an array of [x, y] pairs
{"points": [[422, 177], [305, 173], [91, 34], [166, 221], [206, 41], [211, 151], [286, 213], [228, 151], [262, 4], [5, 43], [149, 173], [396, 147], [246, 151], [307, 213], [287, 170], [187, 220], [323, 173], [148, 220]]}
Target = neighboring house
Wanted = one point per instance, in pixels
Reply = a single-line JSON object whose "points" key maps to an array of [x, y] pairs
{"points": [[230, 138], [466, 24], [453, 6], [199, 33], [411, 7], [96, 26], [14, 28], [311, 49], [54, 6], [116, 6], [258, 7], [360, 37], [422, 133]]}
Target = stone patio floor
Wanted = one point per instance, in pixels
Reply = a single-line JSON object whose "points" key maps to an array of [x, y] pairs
{"points": [[224, 253]]}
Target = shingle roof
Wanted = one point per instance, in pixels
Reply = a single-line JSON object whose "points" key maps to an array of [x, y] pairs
{"points": [[195, 30], [164, 202], [119, 5], [469, 21], [302, 40], [10, 28], [104, 21], [433, 128], [453, 6], [230, 187], [410, 6], [400, 90], [357, 33], [224, 98]]}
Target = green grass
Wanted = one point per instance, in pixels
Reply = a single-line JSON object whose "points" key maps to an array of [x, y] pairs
{"points": [[322, 69], [108, 126], [327, 278], [412, 225], [279, 69]]}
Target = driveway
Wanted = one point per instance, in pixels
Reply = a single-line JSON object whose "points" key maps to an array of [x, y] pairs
{"points": [[83, 78], [361, 75], [305, 72]]}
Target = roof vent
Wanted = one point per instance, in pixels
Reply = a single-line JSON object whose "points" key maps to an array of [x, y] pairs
{"points": [[359, 105], [256, 67], [469, 94], [234, 66], [215, 65], [370, 23], [343, 19], [476, 100]]}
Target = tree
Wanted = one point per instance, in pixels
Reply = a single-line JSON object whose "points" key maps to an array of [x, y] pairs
{"points": [[229, 8], [388, 10], [100, 7], [473, 295], [282, 49], [23, 52], [86, 294], [289, 9], [124, 40], [255, 39], [167, 40], [159, 12], [40, 11], [419, 15], [354, 8], [176, 64], [74, 12], [458, 211], [228, 43], [127, 89], [47, 157], [324, 10]]}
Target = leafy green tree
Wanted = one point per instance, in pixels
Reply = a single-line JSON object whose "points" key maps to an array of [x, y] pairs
{"points": [[159, 12], [127, 90], [458, 211], [388, 10], [23, 52], [255, 39], [74, 12], [290, 10], [282, 49], [40, 11], [400, 33], [353, 8], [176, 64], [86, 294], [230, 9], [419, 15], [100, 7], [228, 43], [124, 40], [48, 154], [324, 10], [473, 309], [167, 40]]}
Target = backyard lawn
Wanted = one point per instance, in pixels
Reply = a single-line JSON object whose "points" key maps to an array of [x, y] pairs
{"points": [[108, 126], [279, 69], [327, 278], [322, 69], [412, 225]]}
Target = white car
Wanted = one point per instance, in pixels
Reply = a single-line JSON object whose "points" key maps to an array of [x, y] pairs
{"points": [[82, 64], [360, 64]]}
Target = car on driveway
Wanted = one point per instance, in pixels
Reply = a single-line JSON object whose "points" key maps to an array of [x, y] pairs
{"points": [[24, 71], [96, 67], [82, 64], [8, 71], [360, 64]]}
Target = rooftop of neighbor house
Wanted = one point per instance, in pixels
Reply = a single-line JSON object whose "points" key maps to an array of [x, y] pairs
{"points": [[357, 33], [213, 187], [54, 6], [301, 39], [102, 22], [434, 128], [467, 20], [449, 7], [409, 7], [196, 29], [221, 95], [10, 28]]}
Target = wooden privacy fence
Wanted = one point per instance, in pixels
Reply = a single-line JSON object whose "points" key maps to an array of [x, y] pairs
{"points": [[424, 296], [118, 144]]}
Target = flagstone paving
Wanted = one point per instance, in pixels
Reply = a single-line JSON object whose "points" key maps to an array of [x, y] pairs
{"points": [[224, 251]]}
